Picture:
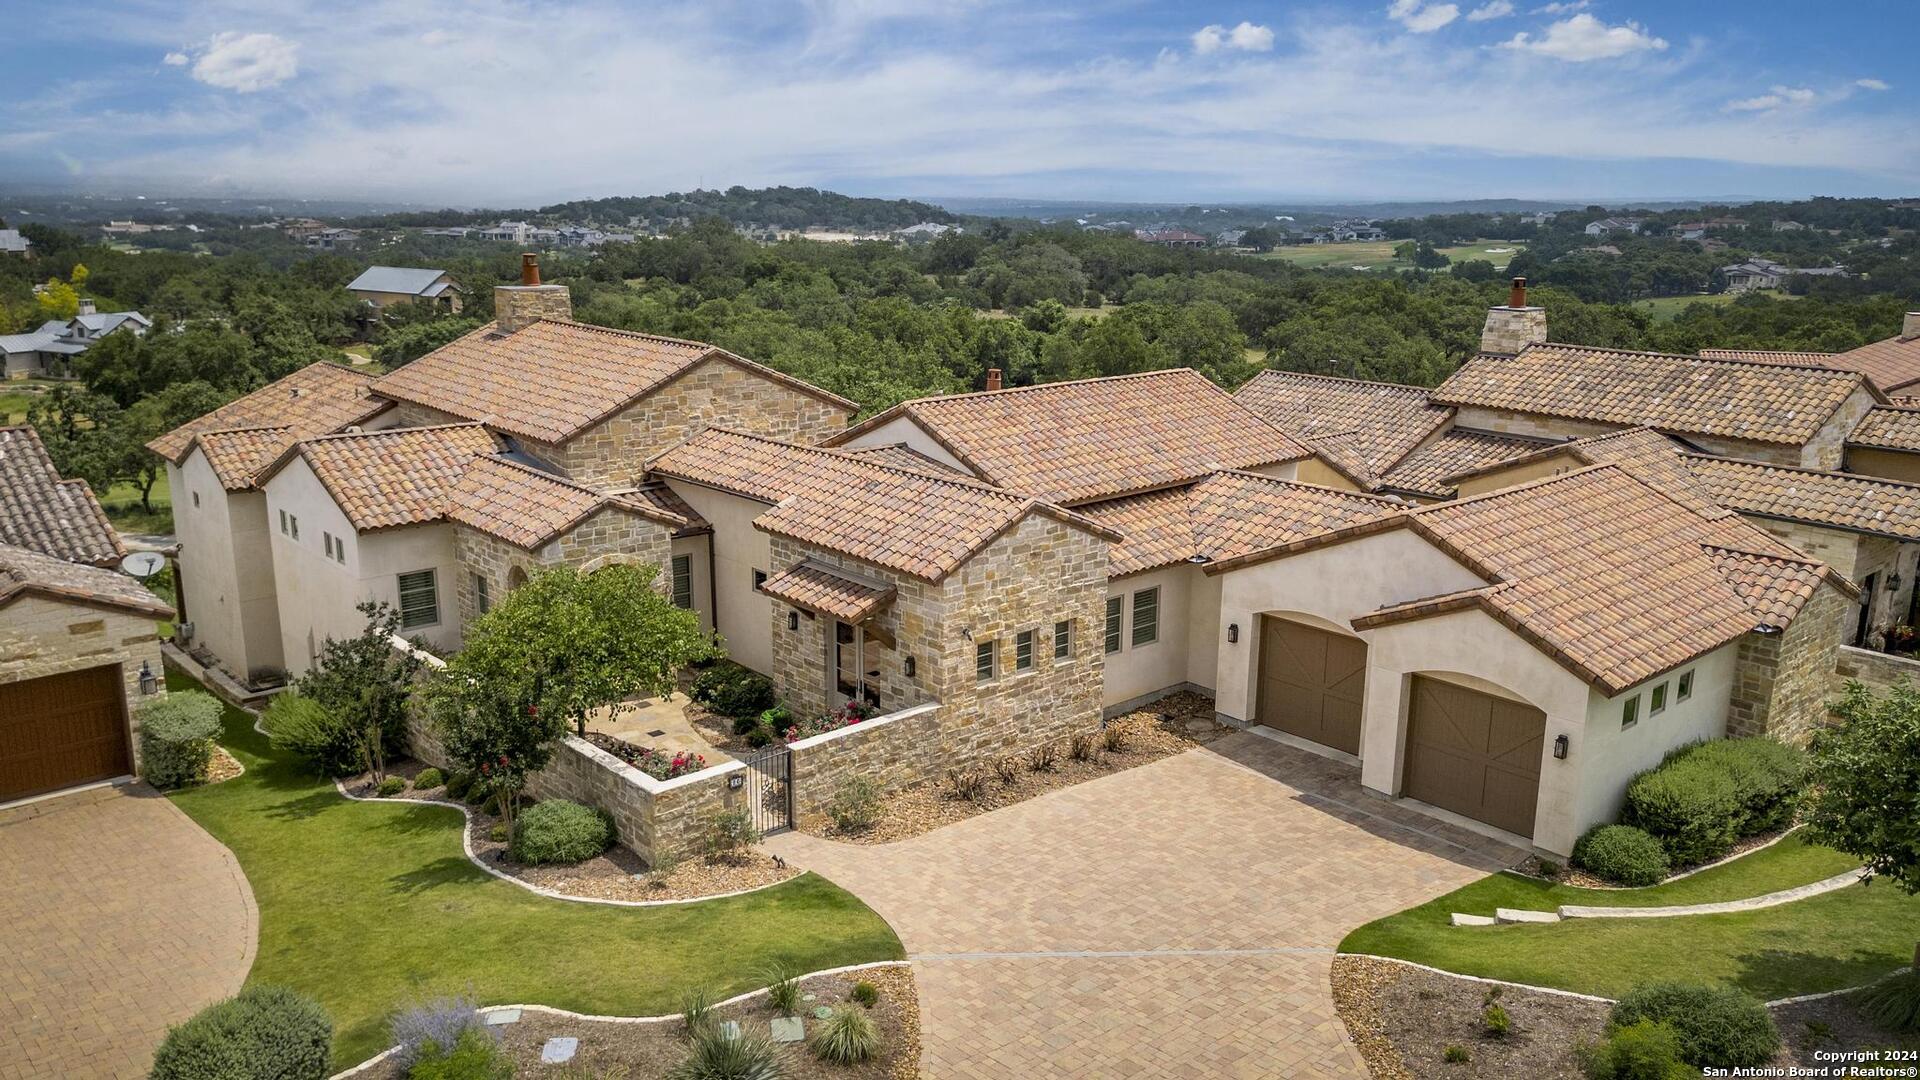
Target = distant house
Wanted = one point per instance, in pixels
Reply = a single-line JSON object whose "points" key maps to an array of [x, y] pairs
{"points": [[48, 352], [925, 230], [1758, 273], [331, 239], [384, 286], [12, 243], [512, 232], [1788, 226], [1690, 230], [1609, 226], [1170, 237], [1230, 237]]}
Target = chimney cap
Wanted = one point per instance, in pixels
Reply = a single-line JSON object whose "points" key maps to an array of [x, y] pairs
{"points": [[993, 378], [529, 268], [1517, 296]]}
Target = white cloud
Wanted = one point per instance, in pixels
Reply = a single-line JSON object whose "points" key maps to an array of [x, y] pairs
{"points": [[1246, 37], [1872, 84], [1496, 9], [175, 59], [246, 63], [1584, 38], [1563, 8], [1422, 18], [1777, 97]]}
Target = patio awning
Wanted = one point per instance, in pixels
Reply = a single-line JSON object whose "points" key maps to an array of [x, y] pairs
{"points": [[822, 589]]}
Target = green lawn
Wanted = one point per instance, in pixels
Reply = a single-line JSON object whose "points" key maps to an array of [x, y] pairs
{"points": [[1839, 939], [1378, 254], [369, 906], [1666, 308], [122, 503]]}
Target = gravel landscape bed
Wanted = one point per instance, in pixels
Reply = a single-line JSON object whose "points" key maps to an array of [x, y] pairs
{"points": [[1172, 725]]}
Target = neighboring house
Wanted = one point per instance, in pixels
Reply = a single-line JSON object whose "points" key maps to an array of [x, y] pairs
{"points": [[1170, 237], [1229, 237], [925, 230], [1758, 273], [12, 243], [329, 239], [384, 286], [1611, 225], [47, 353], [76, 638]]}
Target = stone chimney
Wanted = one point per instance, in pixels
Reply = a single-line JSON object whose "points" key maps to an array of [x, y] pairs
{"points": [[515, 306], [1515, 326], [993, 378], [1910, 326], [86, 307]]}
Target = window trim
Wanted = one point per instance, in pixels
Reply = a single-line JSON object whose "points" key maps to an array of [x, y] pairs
{"points": [[985, 661], [759, 579], [1630, 712], [1657, 700], [1112, 631], [483, 603], [433, 580], [283, 523], [1023, 650], [1153, 624], [1063, 641]]}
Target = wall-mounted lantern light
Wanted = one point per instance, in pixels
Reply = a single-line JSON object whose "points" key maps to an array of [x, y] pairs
{"points": [[909, 667], [148, 684], [1560, 747], [1893, 581], [1233, 633], [793, 620]]}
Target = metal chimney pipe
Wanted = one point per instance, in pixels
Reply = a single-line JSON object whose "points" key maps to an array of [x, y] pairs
{"points": [[1518, 297], [993, 378], [529, 269]]}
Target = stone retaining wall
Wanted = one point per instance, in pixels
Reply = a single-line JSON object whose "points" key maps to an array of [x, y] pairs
{"points": [[894, 751], [1876, 668]]}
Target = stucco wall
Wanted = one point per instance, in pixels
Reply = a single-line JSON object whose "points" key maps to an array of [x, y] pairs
{"points": [[1612, 755], [906, 430], [1315, 471], [40, 636], [1891, 464], [1552, 428], [226, 567], [1189, 613], [739, 613], [1552, 465]]}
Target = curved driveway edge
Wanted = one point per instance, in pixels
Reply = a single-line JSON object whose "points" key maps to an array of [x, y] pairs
{"points": [[121, 917]]}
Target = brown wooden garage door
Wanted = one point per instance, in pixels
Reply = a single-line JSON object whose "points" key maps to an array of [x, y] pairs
{"points": [[1311, 682], [62, 730], [1474, 754]]}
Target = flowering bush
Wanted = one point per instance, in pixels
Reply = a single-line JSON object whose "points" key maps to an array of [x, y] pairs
{"points": [[655, 763], [846, 715]]}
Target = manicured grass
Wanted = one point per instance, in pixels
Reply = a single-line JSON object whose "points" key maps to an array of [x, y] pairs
{"points": [[1667, 308], [1378, 254], [122, 503], [1839, 939], [371, 906]]}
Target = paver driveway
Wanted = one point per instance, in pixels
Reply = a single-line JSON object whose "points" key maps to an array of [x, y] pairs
{"points": [[1176, 919], [118, 917]]}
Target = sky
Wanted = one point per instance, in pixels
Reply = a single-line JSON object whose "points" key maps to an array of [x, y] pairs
{"points": [[527, 102]]}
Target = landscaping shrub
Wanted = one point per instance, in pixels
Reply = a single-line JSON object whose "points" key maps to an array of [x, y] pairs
{"points": [[1639, 1051], [325, 739], [845, 1037], [696, 1008], [428, 779], [499, 833], [1114, 738], [1718, 1027], [264, 1031], [1494, 1021], [1008, 770], [1689, 803], [711, 1055], [731, 690], [1767, 777], [760, 735], [778, 718], [458, 784], [855, 805], [391, 786], [558, 831], [476, 1056], [1621, 854], [1043, 757], [783, 987], [1082, 746], [969, 785], [1894, 1002], [438, 1023], [176, 738], [729, 834], [865, 993], [1454, 1054]]}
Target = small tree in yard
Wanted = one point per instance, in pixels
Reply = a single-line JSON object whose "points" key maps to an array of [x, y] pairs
{"points": [[1865, 801], [553, 651], [364, 682]]}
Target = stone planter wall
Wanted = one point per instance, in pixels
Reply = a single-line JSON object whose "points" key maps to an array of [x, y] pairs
{"points": [[895, 751], [1876, 668]]}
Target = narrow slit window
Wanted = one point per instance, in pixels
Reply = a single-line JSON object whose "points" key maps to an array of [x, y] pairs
{"points": [[983, 662], [1023, 650], [1658, 703], [683, 581], [1685, 689], [1062, 640], [1113, 624], [1630, 712]]}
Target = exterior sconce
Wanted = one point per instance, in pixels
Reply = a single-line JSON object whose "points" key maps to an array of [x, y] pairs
{"points": [[148, 684], [793, 620], [909, 667], [1893, 581], [1233, 633], [1560, 747]]}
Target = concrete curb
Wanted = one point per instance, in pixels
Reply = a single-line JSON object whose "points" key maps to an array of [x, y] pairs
{"points": [[592, 1018], [1594, 997], [1752, 903]]}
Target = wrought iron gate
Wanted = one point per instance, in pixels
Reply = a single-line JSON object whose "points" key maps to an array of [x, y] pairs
{"points": [[769, 782]]}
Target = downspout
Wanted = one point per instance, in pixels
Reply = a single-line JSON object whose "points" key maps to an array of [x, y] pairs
{"points": [[713, 586]]}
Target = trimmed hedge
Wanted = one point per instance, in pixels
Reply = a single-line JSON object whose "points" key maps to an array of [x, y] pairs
{"points": [[732, 690], [176, 738], [264, 1031], [1767, 775], [557, 831], [1704, 797], [1622, 854], [1718, 1027]]}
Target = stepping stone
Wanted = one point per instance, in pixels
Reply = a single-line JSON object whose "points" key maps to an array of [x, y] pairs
{"points": [[1473, 920], [788, 1029], [809, 997], [1520, 915], [729, 1029], [503, 1016], [822, 1013], [558, 1051]]}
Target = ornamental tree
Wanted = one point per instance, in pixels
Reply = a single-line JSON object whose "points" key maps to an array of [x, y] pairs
{"points": [[365, 683], [1865, 777]]}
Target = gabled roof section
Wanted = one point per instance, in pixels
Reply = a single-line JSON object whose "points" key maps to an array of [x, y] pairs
{"points": [[1093, 439], [1836, 500], [1424, 472], [902, 456], [1223, 516], [406, 280], [920, 525], [1769, 403], [1771, 356], [1888, 427], [1893, 363], [319, 399], [552, 380], [830, 591], [384, 479], [25, 572], [1374, 422], [528, 507], [238, 455], [41, 512]]}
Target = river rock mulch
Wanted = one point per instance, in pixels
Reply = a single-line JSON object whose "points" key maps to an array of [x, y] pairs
{"points": [[616, 874], [1172, 725]]}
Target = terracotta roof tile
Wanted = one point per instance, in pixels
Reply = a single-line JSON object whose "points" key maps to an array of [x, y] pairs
{"points": [[1775, 588], [1771, 356], [319, 399], [657, 501], [552, 380], [528, 507], [902, 456], [1093, 439], [401, 476], [40, 511], [238, 455], [821, 588], [1425, 470], [904, 520], [1769, 403], [1377, 422], [24, 571], [1225, 515], [1888, 428], [1893, 364], [1840, 500]]}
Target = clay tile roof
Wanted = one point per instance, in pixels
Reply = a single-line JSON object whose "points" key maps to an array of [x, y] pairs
{"points": [[1893, 364], [1223, 516], [401, 476], [1888, 428], [528, 507], [319, 399], [920, 525], [821, 588], [24, 571], [657, 501], [1374, 421], [40, 511], [1840, 500], [1093, 439], [1771, 356], [552, 380], [1770, 403], [1426, 470], [1775, 588], [1651, 456], [902, 456], [237, 456]]}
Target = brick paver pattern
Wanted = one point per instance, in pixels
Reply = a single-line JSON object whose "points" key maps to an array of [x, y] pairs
{"points": [[118, 917], [1173, 920]]}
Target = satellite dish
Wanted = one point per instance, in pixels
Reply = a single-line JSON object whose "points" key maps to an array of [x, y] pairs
{"points": [[143, 564]]}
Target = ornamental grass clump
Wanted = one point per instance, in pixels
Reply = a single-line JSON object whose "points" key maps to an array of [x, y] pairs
{"points": [[855, 806], [783, 987], [845, 1037], [714, 1055]]}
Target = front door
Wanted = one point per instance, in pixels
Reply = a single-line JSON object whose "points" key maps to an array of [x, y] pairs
{"points": [[854, 670]]}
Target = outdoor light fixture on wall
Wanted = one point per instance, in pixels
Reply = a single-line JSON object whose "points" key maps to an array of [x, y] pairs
{"points": [[1233, 633], [148, 684], [1893, 581], [1560, 747]]}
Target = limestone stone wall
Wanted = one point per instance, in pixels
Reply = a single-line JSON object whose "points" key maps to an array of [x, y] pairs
{"points": [[1874, 668], [893, 751], [1828, 447], [40, 636], [514, 306], [614, 452], [801, 656], [1509, 329], [1781, 681], [407, 414], [609, 535]]}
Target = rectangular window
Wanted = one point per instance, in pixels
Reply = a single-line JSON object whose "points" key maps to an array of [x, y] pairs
{"points": [[759, 579], [1146, 616], [294, 521], [480, 597], [1658, 704], [1630, 712], [283, 523], [683, 581], [1023, 650], [196, 500], [340, 550], [326, 543], [1113, 624], [419, 599], [983, 662], [1686, 686], [1062, 640]]}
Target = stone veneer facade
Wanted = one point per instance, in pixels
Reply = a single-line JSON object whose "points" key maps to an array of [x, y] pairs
{"points": [[41, 636], [609, 535], [1781, 681]]}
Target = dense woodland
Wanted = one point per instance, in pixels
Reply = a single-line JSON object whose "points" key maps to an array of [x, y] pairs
{"points": [[880, 322]]}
